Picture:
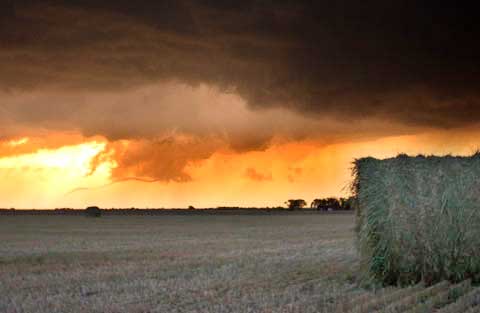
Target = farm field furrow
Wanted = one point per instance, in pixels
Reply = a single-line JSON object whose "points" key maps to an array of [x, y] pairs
{"points": [[443, 297]]}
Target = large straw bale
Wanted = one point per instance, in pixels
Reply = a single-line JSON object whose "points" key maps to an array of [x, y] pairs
{"points": [[418, 218]]}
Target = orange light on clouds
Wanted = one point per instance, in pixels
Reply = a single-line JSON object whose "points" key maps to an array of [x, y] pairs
{"points": [[41, 179], [18, 142], [300, 169]]}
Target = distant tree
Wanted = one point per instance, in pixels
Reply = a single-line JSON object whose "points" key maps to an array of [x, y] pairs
{"points": [[191, 207], [326, 204], [296, 204], [333, 204], [93, 211], [347, 203], [319, 204]]}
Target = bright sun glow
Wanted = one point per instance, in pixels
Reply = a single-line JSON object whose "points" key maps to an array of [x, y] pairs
{"points": [[76, 159], [48, 174]]}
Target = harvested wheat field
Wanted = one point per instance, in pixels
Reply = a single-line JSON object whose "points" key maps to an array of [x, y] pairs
{"points": [[192, 263]]}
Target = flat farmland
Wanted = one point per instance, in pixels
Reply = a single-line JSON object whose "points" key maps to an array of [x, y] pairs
{"points": [[188, 263]]}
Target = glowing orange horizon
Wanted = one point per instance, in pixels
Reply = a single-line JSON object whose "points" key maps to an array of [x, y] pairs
{"points": [[80, 174]]}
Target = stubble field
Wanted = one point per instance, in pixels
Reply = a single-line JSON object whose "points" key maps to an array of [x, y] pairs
{"points": [[264, 263]]}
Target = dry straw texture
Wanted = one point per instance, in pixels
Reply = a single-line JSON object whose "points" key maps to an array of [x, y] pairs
{"points": [[418, 218]]}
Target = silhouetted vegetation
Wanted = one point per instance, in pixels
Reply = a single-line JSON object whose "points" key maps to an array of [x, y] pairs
{"points": [[296, 204], [224, 210], [333, 204], [93, 211]]}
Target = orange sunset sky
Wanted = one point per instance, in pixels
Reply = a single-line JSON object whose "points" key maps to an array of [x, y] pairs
{"points": [[47, 168], [178, 103]]}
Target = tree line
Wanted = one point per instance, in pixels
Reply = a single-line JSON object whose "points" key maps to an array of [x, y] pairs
{"points": [[323, 204]]}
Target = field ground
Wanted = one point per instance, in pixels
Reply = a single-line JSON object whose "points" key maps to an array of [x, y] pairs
{"points": [[264, 263]]}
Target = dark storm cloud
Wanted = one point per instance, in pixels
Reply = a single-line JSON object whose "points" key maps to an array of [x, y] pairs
{"points": [[407, 61]]}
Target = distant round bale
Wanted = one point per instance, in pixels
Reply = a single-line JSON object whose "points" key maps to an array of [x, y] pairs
{"points": [[93, 211], [418, 218]]}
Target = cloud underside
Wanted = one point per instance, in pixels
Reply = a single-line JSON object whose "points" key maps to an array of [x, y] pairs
{"points": [[395, 60], [182, 79]]}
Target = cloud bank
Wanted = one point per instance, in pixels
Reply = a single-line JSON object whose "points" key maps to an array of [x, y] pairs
{"points": [[404, 61], [183, 79]]}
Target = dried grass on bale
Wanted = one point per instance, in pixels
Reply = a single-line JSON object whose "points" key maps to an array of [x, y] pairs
{"points": [[418, 218]]}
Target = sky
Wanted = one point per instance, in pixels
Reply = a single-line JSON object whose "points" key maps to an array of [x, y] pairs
{"points": [[225, 103]]}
